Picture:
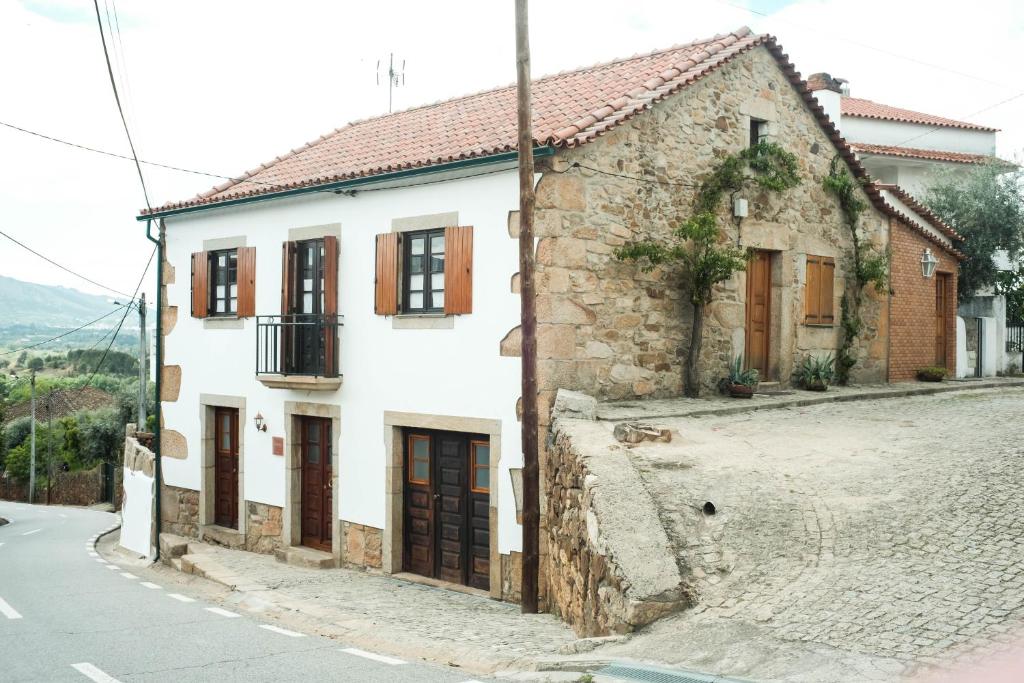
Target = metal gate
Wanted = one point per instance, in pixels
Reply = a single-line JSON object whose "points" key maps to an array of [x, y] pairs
{"points": [[107, 471]]}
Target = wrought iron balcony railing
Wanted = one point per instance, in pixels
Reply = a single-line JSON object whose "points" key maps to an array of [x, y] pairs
{"points": [[297, 344]]}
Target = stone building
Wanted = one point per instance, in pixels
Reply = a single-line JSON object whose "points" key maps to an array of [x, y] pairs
{"points": [[388, 442]]}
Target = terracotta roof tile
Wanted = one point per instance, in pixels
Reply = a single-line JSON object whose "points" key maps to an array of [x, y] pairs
{"points": [[933, 219], [854, 106], [927, 154]]}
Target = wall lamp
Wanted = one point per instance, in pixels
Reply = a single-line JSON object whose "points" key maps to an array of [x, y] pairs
{"points": [[928, 263], [261, 426]]}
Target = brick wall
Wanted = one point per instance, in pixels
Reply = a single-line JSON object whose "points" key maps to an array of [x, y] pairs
{"points": [[912, 333]]}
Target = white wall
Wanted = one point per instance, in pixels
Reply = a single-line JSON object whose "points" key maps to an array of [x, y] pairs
{"points": [[137, 513], [919, 136], [456, 372]]}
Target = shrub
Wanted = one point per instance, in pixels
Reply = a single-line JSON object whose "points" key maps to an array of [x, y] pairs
{"points": [[816, 373], [931, 374], [737, 375]]}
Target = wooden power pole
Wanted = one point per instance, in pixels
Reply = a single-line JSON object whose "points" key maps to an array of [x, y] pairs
{"points": [[531, 478]]}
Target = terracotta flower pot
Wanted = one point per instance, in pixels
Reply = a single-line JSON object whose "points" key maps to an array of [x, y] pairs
{"points": [[741, 391]]}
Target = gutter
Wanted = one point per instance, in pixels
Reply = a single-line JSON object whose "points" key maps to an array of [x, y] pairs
{"points": [[159, 242], [355, 183]]}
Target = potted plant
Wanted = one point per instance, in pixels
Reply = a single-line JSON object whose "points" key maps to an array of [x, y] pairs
{"points": [[815, 374], [931, 374], [741, 382]]}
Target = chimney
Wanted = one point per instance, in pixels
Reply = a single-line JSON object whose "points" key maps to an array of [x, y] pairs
{"points": [[829, 92]]}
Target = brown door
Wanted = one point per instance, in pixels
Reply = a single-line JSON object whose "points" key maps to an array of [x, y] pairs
{"points": [[317, 509], [942, 300], [225, 481], [758, 318], [446, 520]]}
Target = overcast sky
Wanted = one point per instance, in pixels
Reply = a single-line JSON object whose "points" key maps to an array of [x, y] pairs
{"points": [[223, 85]]}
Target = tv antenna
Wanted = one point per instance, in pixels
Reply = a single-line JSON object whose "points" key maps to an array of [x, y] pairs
{"points": [[396, 77]]}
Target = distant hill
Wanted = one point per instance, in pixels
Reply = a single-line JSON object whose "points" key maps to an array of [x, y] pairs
{"points": [[31, 312]]}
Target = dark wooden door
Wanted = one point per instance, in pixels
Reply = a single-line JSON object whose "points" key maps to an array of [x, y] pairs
{"points": [[446, 517], [758, 314], [225, 466], [317, 515], [942, 301]]}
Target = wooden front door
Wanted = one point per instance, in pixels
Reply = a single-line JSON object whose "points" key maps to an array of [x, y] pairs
{"points": [[942, 302], [447, 495], [758, 314], [225, 466], [317, 508]]}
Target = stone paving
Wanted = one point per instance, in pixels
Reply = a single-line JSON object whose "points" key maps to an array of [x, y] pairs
{"points": [[851, 541]]}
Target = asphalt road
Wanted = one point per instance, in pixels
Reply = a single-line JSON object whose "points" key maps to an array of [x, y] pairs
{"points": [[66, 614]]}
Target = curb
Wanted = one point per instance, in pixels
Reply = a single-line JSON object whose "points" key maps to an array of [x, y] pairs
{"points": [[942, 388]]}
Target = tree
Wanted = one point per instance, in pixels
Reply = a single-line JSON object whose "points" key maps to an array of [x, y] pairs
{"points": [[36, 363], [702, 257], [986, 206], [72, 443]]}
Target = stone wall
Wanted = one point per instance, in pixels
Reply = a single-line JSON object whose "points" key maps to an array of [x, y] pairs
{"points": [[361, 544], [84, 487], [615, 332], [264, 527], [913, 306], [609, 565], [179, 511]]}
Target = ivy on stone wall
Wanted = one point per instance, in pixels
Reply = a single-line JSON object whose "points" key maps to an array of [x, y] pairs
{"points": [[870, 266]]}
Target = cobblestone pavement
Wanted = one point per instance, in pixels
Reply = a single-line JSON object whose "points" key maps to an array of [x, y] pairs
{"points": [[391, 615], [851, 541]]}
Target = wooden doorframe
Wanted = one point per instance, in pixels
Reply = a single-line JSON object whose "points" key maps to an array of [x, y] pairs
{"points": [[769, 293], [320, 427], [395, 423], [220, 414], [292, 531], [208, 403]]}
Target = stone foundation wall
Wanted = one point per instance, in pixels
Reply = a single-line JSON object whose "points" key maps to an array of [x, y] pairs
{"points": [[512, 577], [179, 511], [264, 527], [361, 545]]}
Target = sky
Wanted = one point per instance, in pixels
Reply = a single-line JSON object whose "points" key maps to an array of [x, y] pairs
{"points": [[223, 86]]}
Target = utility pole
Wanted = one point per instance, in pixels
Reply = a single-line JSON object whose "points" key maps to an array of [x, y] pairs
{"points": [[143, 369], [531, 479], [49, 445], [32, 463]]}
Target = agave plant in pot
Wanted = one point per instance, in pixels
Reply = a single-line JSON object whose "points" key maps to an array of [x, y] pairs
{"points": [[741, 382], [815, 374]]}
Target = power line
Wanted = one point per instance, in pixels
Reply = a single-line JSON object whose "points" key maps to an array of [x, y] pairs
{"points": [[61, 336], [980, 111], [117, 99], [64, 268]]}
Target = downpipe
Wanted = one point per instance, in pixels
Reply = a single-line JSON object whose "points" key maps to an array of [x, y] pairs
{"points": [[159, 242]]}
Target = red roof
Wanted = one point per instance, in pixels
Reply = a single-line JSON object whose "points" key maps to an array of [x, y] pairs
{"points": [[854, 106], [570, 109], [914, 153]]}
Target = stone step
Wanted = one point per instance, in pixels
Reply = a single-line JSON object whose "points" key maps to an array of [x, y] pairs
{"points": [[229, 538], [172, 546], [299, 556], [176, 563]]}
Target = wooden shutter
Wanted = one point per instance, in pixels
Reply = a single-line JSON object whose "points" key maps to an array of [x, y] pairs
{"points": [[287, 276], [330, 304], [458, 270], [246, 305], [385, 289], [826, 313], [812, 291], [200, 284]]}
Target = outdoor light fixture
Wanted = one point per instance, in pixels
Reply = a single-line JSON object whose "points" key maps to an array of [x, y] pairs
{"points": [[517, 491], [260, 425], [928, 263]]}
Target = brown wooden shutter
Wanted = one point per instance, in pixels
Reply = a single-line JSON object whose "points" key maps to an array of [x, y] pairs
{"points": [[458, 270], [385, 289], [826, 313], [200, 284], [287, 276], [812, 291], [246, 305], [330, 304]]}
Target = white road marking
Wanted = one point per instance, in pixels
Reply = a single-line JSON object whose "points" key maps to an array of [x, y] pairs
{"points": [[62, 515], [29, 533], [92, 553], [91, 672], [180, 598], [222, 612], [112, 566], [370, 655], [128, 576], [101, 560], [1, 543], [282, 631], [147, 584], [8, 611]]}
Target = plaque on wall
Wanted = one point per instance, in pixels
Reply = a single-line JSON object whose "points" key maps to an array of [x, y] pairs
{"points": [[278, 445]]}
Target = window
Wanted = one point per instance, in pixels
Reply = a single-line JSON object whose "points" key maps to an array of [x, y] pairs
{"points": [[480, 464], [819, 291], [224, 282], [758, 131], [309, 273], [419, 459], [423, 272]]}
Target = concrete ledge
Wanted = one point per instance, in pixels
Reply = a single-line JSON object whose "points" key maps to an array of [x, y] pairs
{"points": [[172, 546], [229, 538], [300, 382], [299, 556]]}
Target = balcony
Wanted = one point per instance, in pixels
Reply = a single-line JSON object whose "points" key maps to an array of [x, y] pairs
{"points": [[298, 351]]}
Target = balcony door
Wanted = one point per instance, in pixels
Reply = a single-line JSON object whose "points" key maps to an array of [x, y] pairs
{"points": [[309, 307]]}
